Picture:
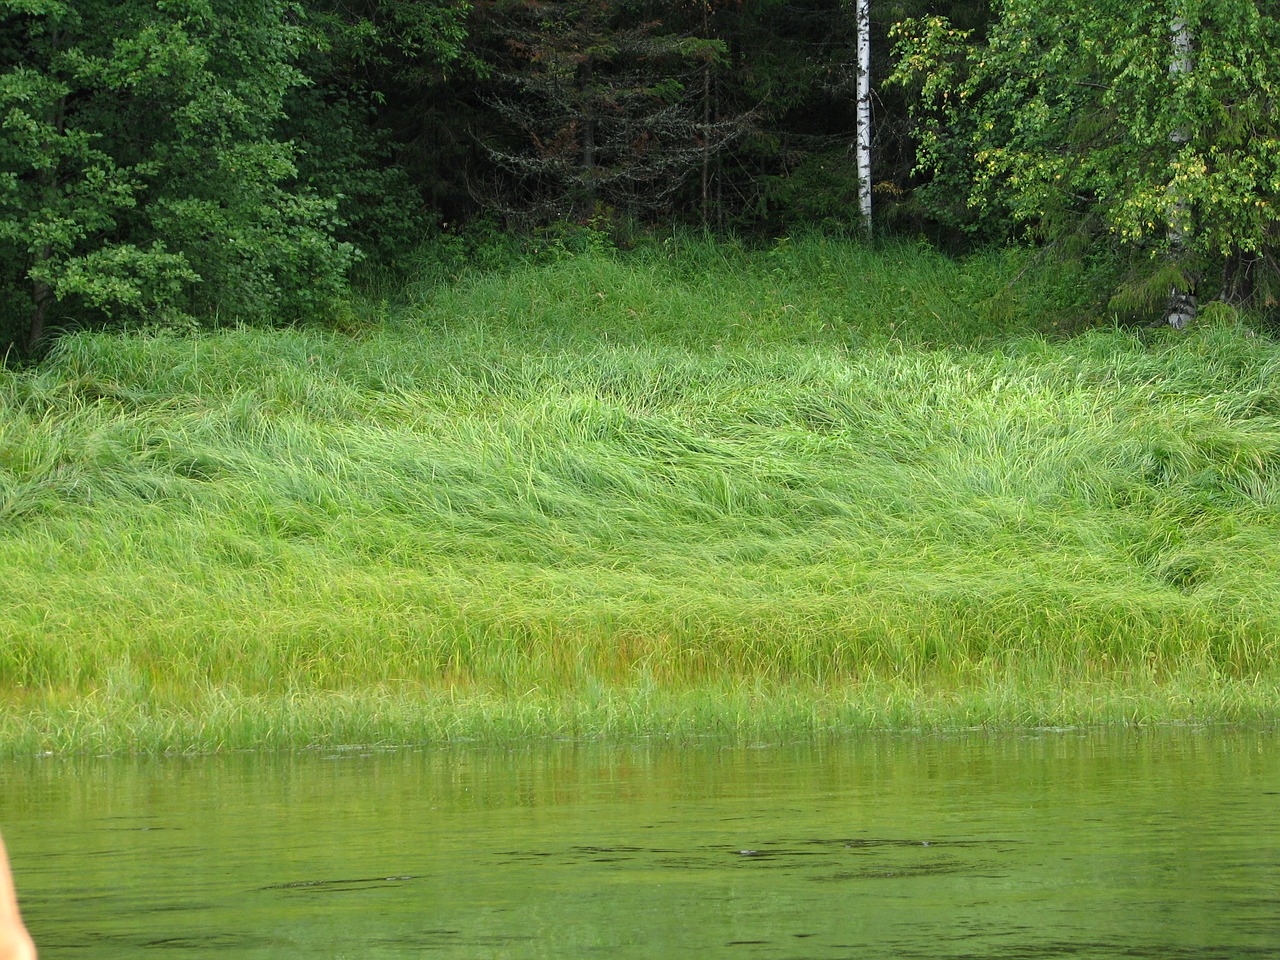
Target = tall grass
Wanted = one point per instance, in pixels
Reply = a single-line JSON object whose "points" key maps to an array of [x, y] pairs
{"points": [[694, 488]]}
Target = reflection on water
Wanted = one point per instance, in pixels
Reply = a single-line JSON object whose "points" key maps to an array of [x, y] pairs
{"points": [[1161, 844]]}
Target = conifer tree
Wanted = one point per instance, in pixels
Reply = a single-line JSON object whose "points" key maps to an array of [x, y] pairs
{"points": [[600, 108]]}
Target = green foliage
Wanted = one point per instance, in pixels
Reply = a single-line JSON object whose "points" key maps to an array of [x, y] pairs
{"points": [[447, 255], [375, 69], [140, 176], [1066, 118], [412, 39], [821, 189], [788, 84], [345, 153]]}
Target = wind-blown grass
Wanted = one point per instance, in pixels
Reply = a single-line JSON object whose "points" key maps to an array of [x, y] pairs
{"points": [[696, 489]]}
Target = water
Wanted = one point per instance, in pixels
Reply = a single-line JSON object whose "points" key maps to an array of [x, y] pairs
{"points": [[1161, 844]]}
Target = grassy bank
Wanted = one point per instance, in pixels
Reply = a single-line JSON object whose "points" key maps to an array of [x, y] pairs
{"points": [[692, 489]]}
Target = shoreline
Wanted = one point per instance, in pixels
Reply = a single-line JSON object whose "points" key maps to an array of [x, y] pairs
{"points": [[386, 718]]}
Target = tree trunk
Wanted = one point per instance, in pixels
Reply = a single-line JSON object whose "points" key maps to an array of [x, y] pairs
{"points": [[41, 297], [706, 128], [864, 111], [588, 144], [1181, 308]]}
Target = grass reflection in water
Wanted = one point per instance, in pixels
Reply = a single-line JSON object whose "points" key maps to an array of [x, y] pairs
{"points": [[1159, 844]]}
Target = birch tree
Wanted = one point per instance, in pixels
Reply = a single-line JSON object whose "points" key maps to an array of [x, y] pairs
{"points": [[1100, 125], [863, 16], [1182, 307]]}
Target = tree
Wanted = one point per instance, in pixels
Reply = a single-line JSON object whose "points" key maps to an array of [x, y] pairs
{"points": [[599, 106], [1066, 118], [367, 125], [140, 174], [789, 74], [802, 71], [1181, 309], [863, 16]]}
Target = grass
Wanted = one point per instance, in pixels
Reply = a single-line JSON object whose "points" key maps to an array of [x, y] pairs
{"points": [[692, 489]]}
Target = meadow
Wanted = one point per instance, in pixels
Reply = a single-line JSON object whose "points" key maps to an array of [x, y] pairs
{"points": [[692, 489]]}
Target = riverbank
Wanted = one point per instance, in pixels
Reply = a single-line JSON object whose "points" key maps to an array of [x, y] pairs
{"points": [[694, 489]]}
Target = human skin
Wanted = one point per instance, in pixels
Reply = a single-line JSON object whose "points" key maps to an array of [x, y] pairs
{"points": [[15, 942]]}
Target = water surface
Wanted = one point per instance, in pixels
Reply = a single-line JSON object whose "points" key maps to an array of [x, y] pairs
{"points": [[1161, 844]]}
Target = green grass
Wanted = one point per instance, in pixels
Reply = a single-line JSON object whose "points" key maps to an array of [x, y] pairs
{"points": [[694, 489]]}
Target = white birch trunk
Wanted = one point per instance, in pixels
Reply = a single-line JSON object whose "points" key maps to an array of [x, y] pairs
{"points": [[1181, 309], [863, 16]]}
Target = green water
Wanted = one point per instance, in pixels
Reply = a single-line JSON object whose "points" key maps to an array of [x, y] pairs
{"points": [[1161, 844]]}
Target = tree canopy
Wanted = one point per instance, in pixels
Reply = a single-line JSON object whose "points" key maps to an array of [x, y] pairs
{"points": [[141, 174], [1150, 126], [178, 162]]}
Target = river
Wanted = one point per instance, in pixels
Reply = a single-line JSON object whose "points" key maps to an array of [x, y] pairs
{"points": [[1160, 843]]}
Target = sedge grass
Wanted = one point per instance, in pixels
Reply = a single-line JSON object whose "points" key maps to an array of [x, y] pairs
{"points": [[696, 489]]}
